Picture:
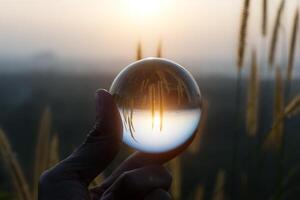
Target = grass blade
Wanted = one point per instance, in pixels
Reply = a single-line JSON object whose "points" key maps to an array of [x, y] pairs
{"points": [[252, 98], [292, 46], [54, 151], [293, 108], [219, 186], [42, 148], [159, 49], [243, 33], [274, 39], [139, 51], [264, 17], [274, 137], [17, 176], [199, 193], [175, 168]]}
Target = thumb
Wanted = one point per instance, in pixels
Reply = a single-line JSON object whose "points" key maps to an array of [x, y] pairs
{"points": [[100, 146]]}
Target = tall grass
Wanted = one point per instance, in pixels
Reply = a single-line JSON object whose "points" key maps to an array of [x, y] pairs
{"points": [[47, 155], [139, 51], [264, 17], [159, 49], [240, 61], [53, 151], [252, 98], [291, 58], [42, 148], [293, 108], [243, 33], [273, 140], [290, 110], [199, 193], [175, 168], [219, 193], [18, 179], [275, 33]]}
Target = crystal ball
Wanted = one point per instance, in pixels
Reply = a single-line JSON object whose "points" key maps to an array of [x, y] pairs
{"points": [[160, 105]]}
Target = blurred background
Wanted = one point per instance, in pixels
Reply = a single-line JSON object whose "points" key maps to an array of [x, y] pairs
{"points": [[243, 54]]}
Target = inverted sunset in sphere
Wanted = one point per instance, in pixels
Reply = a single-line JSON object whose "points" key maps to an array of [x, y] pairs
{"points": [[160, 105]]}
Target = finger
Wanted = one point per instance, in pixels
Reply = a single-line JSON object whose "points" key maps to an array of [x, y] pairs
{"points": [[136, 184], [158, 194], [139, 159], [99, 148]]}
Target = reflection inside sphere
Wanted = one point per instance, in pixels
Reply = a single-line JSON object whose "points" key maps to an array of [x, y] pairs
{"points": [[160, 104]]}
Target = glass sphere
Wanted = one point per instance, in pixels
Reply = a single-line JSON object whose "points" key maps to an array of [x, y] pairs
{"points": [[160, 105]]}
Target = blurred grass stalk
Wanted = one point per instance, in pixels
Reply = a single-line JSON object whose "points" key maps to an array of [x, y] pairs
{"points": [[175, 168], [275, 32], [159, 49], [47, 155], [264, 17], [219, 193], [292, 109], [273, 140], [199, 193], [42, 148], [243, 34], [253, 98], [139, 51], [18, 179], [252, 115], [54, 151], [240, 61], [292, 48]]}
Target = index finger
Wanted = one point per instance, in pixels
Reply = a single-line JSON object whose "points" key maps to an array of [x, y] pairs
{"points": [[99, 148]]}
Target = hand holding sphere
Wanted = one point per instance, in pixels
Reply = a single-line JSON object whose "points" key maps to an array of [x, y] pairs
{"points": [[150, 97]]}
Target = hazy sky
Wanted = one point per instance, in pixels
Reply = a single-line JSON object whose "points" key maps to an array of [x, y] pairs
{"points": [[194, 30]]}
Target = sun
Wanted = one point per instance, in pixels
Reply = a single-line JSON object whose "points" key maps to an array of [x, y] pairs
{"points": [[145, 8]]}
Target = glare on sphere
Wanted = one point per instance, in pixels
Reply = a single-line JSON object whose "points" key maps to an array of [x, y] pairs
{"points": [[160, 104]]}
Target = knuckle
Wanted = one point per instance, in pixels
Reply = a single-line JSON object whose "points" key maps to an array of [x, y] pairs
{"points": [[45, 180], [167, 176], [163, 193], [49, 177], [128, 179]]}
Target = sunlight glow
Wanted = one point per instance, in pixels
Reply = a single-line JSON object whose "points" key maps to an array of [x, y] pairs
{"points": [[145, 18], [144, 8]]}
